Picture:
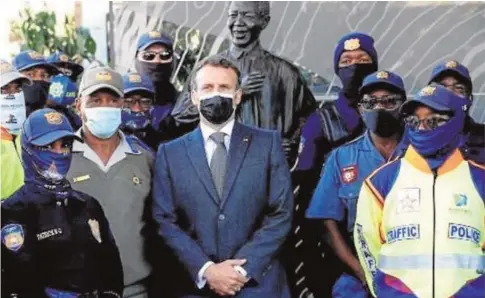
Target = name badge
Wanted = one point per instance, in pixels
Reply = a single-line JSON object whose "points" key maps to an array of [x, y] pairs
{"points": [[81, 178]]}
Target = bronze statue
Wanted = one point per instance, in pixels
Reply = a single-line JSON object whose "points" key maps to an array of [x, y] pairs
{"points": [[274, 94]]}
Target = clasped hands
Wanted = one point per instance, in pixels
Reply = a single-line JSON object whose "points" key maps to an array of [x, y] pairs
{"points": [[224, 279]]}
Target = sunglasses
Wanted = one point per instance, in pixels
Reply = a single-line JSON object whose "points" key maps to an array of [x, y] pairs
{"points": [[144, 102], [431, 122], [388, 102], [150, 55]]}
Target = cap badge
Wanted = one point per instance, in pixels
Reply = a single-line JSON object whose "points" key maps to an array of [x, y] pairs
{"points": [[56, 89], [382, 75], [53, 118], [154, 34], [35, 55], [134, 78], [352, 44], [103, 76], [451, 64], [64, 58], [427, 91], [5, 67]]}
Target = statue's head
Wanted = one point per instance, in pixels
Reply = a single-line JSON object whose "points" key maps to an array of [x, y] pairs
{"points": [[246, 21]]}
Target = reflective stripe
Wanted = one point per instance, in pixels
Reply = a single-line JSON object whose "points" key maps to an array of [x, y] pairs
{"points": [[442, 261]]}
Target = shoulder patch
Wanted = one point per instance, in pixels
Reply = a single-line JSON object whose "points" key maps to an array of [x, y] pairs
{"points": [[13, 236], [136, 144]]}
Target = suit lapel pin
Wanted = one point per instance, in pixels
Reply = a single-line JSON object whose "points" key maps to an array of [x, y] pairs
{"points": [[245, 139]]}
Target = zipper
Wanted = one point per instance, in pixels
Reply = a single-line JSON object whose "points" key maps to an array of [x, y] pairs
{"points": [[434, 232]]}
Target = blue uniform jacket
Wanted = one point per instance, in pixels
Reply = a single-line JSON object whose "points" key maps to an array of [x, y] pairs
{"points": [[346, 168], [59, 244]]}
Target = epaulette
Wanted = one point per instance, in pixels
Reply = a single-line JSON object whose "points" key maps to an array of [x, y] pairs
{"points": [[135, 143]]}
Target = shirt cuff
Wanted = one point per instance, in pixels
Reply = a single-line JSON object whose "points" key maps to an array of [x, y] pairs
{"points": [[201, 281]]}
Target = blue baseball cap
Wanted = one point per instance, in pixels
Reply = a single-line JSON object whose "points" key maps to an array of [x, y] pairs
{"points": [[453, 67], [62, 90], [60, 59], [28, 59], [438, 98], [45, 126], [133, 81], [153, 37], [382, 77], [355, 41]]}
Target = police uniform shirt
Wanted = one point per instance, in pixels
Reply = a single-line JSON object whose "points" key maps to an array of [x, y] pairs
{"points": [[346, 168], [122, 187]]}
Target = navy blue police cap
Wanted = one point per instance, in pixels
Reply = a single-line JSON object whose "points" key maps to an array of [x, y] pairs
{"points": [[134, 81], [28, 59], [46, 126], [60, 59], [153, 37], [382, 77], [453, 67]]}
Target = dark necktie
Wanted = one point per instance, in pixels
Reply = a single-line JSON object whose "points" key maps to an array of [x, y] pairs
{"points": [[218, 161]]}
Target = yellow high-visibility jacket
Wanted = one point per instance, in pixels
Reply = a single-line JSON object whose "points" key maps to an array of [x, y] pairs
{"points": [[420, 233], [11, 169]]}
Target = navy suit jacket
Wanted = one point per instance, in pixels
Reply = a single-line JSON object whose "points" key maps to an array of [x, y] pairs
{"points": [[250, 221]]}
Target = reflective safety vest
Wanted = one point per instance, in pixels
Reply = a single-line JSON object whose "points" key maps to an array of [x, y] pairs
{"points": [[420, 233], [12, 171]]}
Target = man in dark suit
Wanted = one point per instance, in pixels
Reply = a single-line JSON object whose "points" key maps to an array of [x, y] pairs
{"points": [[223, 195]]}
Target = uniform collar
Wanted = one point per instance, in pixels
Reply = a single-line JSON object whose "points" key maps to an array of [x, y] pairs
{"points": [[207, 131], [82, 147], [5, 135], [418, 161], [368, 145]]}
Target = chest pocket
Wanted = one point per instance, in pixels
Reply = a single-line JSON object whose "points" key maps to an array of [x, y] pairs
{"points": [[349, 195]]}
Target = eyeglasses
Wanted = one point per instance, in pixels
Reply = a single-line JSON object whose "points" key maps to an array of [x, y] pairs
{"points": [[457, 88], [65, 71], [143, 102], [388, 102], [431, 122], [151, 55]]}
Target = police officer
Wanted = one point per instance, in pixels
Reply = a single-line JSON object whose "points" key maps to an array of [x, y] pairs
{"points": [[419, 226], [155, 59], [36, 67], [12, 116], [65, 65], [456, 77], [136, 116], [335, 198], [331, 125], [61, 97], [56, 242]]}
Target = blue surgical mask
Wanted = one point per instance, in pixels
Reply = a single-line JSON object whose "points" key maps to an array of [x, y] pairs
{"points": [[103, 122], [135, 120]]}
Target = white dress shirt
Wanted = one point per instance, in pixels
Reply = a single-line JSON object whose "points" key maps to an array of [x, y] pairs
{"points": [[210, 148]]}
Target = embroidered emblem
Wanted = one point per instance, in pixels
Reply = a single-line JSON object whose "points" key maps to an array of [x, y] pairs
{"points": [[460, 200], [53, 118], [64, 58], [349, 174], [13, 236], [103, 76], [94, 225], [136, 180], [408, 200], [35, 55], [352, 44], [451, 64], [382, 75], [56, 89], [154, 34], [427, 91], [134, 78]]}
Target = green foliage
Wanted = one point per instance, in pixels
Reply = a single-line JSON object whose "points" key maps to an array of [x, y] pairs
{"points": [[38, 32]]}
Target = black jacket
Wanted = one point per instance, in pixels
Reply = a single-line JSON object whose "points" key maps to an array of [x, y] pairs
{"points": [[61, 244]]}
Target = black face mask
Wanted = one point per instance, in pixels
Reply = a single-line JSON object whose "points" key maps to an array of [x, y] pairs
{"points": [[383, 123], [158, 72], [36, 95], [216, 109], [352, 77]]}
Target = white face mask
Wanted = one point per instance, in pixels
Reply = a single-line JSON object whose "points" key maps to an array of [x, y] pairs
{"points": [[12, 112], [103, 122]]}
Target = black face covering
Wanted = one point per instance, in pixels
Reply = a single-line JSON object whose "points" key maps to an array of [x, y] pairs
{"points": [[216, 109], [352, 77], [383, 123], [36, 95], [158, 72]]}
